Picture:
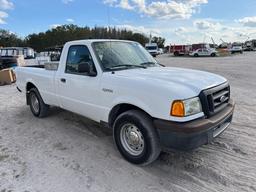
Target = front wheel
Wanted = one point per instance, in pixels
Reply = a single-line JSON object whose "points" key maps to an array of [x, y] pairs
{"points": [[136, 138], [37, 105]]}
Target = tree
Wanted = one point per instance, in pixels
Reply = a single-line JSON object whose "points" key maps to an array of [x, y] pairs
{"points": [[140, 38], [159, 41], [8, 39], [60, 35]]}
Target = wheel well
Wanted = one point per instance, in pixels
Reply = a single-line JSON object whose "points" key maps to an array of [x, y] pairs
{"points": [[30, 86], [119, 109]]}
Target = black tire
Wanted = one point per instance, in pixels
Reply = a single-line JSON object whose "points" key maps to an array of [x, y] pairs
{"points": [[176, 53], [196, 55], [143, 122], [43, 109], [213, 55]]}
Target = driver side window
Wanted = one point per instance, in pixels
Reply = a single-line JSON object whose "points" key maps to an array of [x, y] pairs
{"points": [[78, 54]]}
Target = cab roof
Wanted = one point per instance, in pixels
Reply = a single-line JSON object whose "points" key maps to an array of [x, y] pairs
{"points": [[89, 41]]}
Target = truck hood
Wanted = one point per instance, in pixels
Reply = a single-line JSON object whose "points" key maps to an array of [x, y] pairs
{"points": [[189, 80]]}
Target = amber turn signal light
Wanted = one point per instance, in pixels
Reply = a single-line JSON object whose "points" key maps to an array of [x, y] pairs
{"points": [[178, 109]]}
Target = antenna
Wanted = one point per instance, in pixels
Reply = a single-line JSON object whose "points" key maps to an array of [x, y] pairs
{"points": [[109, 32], [108, 17]]}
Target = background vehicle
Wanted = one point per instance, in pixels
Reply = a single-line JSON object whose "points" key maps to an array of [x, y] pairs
{"points": [[14, 56], [147, 105], [27, 52], [204, 53], [197, 46], [152, 49], [236, 48], [250, 45], [51, 54], [178, 50], [160, 51]]}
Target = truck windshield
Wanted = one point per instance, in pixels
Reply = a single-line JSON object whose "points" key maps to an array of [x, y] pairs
{"points": [[151, 48], [118, 55]]}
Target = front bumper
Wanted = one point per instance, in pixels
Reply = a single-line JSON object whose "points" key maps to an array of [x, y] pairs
{"points": [[153, 53], [191, 135]]}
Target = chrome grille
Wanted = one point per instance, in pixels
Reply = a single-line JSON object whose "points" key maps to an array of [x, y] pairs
{"points": [[215, 99]]}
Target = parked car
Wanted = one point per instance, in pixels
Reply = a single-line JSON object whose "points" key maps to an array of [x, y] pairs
{"points": [[197, 46], [160, 51], [119, 84], [236, 48], [204, 53]]}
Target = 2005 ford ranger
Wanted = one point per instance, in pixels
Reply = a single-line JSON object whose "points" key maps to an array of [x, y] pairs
{"points": [[118, 83]]}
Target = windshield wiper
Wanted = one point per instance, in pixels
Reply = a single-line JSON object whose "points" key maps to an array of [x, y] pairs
{"points": [[125, 66], [152, 63]]}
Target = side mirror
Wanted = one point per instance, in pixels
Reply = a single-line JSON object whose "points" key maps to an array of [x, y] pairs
{"points": [[86, 68]]}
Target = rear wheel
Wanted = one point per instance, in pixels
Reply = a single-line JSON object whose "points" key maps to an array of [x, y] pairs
{"points": [[213, 55], [136, 137], [37, 105], [176, 53]]}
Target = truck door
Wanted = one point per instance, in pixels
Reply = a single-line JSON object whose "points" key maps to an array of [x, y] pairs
{"points": [[78, 92]]}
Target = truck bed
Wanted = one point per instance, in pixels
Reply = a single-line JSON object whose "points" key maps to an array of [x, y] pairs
{"points": [[41, 77]]}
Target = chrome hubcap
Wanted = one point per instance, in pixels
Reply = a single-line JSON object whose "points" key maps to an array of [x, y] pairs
{"points": [[34, 103], [132, 139]]}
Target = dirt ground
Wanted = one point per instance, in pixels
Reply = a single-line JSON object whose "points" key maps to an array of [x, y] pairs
{"points": [[68, 153]]}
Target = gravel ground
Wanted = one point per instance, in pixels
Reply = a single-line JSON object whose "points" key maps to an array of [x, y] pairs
{"points": [[66, 152]]}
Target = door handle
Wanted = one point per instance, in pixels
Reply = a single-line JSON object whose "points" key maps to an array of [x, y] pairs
{"points": [[63, 80]]}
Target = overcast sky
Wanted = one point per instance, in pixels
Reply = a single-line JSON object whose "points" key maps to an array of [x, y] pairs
{"points": [[179, 21]]}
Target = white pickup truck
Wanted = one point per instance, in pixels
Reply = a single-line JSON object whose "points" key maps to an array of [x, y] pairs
{"points": [[118, 83]]}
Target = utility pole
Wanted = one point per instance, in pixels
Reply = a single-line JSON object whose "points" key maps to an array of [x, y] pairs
{"points": [[150, 38]]}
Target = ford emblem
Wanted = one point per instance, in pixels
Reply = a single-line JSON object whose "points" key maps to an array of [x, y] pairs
{"points": [[223, 98]]}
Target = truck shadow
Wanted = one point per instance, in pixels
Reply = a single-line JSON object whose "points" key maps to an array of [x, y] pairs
{"points": [[84, 123], [188, 160], [181, 160]]}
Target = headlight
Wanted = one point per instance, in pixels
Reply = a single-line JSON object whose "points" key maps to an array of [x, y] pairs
{"points": [[186, 107]]}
